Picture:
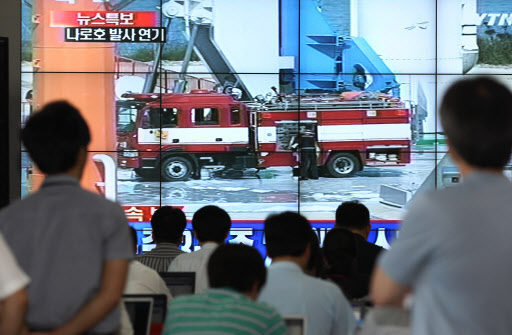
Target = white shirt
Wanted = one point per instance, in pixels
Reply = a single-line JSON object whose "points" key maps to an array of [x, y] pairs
{"points": [[141, 279], [144, 280], [12, 278], [292, 292], [197, 262]]}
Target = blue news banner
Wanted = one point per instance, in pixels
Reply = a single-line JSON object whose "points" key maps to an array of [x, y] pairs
{"points": [[251, 233]]}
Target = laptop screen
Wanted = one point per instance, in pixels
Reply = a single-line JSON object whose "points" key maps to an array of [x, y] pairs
{"points": [[295, 325], [179, 283], [139, 310]]}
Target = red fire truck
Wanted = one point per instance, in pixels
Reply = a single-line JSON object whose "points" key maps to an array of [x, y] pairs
{"points": [[177, 135]]}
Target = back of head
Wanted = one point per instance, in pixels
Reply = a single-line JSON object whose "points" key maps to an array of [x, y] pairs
{"points": [[211, 223], [133, 235], [476, 115], [236, 266], [168, 224], [54, 136], [352, 215], [315, 263], [287, 234], [340, 250]]}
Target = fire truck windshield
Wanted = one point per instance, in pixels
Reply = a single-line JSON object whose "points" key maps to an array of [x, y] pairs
{"points": [[126, 117], [160, 118]]}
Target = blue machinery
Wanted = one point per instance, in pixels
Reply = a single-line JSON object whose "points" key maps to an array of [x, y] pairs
{"points": [[326, 61]]}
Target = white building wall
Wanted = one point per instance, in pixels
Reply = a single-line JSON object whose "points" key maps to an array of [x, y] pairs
{"points": [[247, 32]]}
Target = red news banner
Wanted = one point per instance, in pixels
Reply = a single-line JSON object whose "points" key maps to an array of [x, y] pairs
{"points": [[109, 26], [67, 19], [137, 213]]}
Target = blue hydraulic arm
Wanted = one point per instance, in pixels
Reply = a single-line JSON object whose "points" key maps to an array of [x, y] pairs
{"points": [[326, 61]]}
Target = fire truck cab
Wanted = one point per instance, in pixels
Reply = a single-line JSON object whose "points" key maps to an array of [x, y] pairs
{"points": [[177, 135]]}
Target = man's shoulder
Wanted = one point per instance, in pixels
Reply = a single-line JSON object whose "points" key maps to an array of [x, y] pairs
{"points": [[262, 308], [184, 260], [190, 300], [82, 198], [186, 256], [98, 202], [368, 246], [321, 285], [143, 268]]}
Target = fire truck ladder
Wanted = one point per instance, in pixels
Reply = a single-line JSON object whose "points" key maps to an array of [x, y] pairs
{"points": [[333, 103]]}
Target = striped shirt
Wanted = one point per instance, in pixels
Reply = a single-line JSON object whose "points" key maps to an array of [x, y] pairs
{"points": [[160, 257], [221, 311]]}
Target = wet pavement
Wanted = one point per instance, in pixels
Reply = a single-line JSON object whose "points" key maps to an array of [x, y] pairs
{"points": [[275, 189]]}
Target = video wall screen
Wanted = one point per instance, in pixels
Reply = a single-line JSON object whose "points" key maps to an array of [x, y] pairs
{"points": [[263, 106]]}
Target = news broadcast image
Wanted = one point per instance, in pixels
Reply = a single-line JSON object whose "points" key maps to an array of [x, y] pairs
{"points": [[199, 102]]}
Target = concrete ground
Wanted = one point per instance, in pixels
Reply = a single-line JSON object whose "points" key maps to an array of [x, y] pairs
{"points": [[277, 190]]}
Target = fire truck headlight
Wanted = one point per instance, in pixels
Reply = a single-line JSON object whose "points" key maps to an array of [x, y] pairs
{"points": [[130, 153]]}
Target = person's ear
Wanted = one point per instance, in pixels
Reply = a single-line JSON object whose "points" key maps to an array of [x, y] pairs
{"points": [[368, 230], [307, 251], [255, 291]]}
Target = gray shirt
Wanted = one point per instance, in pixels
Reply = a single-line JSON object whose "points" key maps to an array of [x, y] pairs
{"points": [[61, 236], [455, 250]]}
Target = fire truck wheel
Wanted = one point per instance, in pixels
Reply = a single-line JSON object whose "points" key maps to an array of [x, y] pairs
{"points": [[176, 168], [343, 165]]}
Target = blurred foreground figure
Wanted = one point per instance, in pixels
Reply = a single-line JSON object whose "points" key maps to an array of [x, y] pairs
{"points": [[453, 251], [236, 274], [13, 296], [73, 244]]}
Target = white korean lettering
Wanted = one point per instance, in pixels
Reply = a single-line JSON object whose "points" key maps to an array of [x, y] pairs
{"points": [[187, 241], [126, 19], [85, 34], [72, 34], [144, 35], [83, 20], [115, 34], [240, 235], [98, 19], [129, 35], [148, 235], [99, 34], [133, 213], [112, 18], [155, 33]]}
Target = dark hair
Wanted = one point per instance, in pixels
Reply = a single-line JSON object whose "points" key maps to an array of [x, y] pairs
{"points": [[352, 215], [287, 234], [133, 235], [236, 266], [340, 250], [315, 264], [476, 115], [54, 136], [211, 223], [168, 224]]}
